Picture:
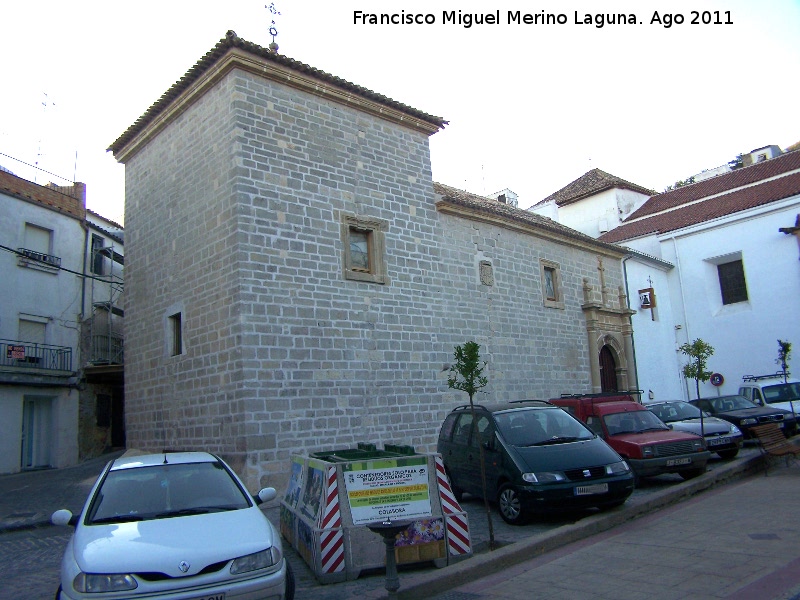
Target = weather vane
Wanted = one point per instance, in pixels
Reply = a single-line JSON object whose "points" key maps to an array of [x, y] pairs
{"points": [[273, 31]]}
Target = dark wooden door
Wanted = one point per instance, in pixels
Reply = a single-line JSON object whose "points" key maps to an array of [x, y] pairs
{"points": [[608, 370]]}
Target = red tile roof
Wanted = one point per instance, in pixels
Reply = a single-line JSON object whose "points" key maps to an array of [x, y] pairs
{"points": [[706, 210], [719, 184]]}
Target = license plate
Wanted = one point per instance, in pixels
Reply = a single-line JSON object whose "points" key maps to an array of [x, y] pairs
{"points": [[587, 490], [219, 596], [719, 441], [672, 462]]}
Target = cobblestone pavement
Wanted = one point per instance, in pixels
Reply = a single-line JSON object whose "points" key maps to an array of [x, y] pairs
{"points": [[30, 551]]}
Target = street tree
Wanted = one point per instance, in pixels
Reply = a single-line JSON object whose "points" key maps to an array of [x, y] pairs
{"points": [[784, 353], [467, 376], [698, 352]]}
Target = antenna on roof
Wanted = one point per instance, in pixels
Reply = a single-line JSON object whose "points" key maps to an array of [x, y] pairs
{"points": [[273, 31]]}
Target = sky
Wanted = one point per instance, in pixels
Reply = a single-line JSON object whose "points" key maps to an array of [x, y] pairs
{"points": [[531, 107]]}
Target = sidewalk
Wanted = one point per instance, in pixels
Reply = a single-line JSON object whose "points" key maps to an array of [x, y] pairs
{"points": [[737, 542]]}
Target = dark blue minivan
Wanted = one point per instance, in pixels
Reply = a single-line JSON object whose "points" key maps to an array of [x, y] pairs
{"points": [[538, 458]]}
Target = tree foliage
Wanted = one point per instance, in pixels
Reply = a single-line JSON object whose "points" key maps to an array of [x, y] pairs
{"points": [[467, 371], [736, 163], [784, 353], [679, 183], [698, 352]]}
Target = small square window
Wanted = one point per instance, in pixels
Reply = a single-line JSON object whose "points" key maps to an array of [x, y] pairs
{"points": [[731, 282], [364, 249], [551, 284]]}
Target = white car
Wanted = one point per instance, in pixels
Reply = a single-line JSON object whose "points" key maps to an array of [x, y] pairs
{"points": [[772, 390], [173, 526]]}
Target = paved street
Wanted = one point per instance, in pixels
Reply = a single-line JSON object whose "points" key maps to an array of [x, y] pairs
{"points": [[598, 542], [740, 541]]}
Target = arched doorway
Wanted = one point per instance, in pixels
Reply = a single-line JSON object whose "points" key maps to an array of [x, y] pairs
{"points": [[608, 370]]}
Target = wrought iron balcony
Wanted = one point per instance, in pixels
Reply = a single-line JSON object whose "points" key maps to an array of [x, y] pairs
{"points": [[18, 354], [47, 259]]}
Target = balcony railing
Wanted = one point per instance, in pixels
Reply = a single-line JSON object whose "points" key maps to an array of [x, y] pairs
{"points": [[107, 350], [48, 259], [35, 356]]}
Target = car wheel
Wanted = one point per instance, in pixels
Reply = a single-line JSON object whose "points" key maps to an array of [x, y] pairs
{"points": [[692, 473], [510, 505], [728, 454], [289, 595]]}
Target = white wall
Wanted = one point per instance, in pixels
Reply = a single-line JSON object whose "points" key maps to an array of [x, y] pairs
{"points": [[657, 362], [54, 297], [601, 212], [744, 335]]}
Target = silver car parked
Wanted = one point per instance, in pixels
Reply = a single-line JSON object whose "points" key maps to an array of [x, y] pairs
{"points": [[721, 437], [173, 526]]}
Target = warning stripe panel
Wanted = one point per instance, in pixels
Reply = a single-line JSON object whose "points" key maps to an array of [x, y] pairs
{"points": [[331, 516], [332, 551], [449, 503], [458, 541]]}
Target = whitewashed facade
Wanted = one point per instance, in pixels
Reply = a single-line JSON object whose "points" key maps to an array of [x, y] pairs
{"points": [[40, 307], [742, 224]]}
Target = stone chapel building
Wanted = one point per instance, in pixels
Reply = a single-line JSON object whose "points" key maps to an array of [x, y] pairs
{"points": [[295, 280]]}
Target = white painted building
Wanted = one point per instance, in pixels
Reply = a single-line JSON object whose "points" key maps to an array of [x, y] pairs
{"points": [[594, 203], [736, 277], [60, 351], [736, 227], [40, 303]]}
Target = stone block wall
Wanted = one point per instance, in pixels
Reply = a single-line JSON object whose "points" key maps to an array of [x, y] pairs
{"points": [[233, 219]]}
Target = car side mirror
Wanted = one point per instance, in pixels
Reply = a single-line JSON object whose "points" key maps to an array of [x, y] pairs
{"points": [[265, 495], [64, 517], [668, 425]]}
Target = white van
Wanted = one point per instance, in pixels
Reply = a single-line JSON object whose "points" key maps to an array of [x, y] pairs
{"points": [[772, 390]]}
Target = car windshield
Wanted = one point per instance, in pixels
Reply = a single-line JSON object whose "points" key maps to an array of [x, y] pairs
{"points": [[168, 490], [726, 403], [783, 392], [675, 411], [538, 427], [635, 421]]}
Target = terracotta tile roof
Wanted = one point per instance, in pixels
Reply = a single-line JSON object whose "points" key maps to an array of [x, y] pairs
{"points": [[493, 208], [713, 208], [231, 40], [590, 183], [719, 184]]}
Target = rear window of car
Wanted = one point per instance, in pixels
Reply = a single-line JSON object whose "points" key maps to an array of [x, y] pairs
{"points": [[143, 493]]}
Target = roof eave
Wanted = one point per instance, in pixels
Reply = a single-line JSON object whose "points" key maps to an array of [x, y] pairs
{"points": [[473, 212], [220, 61]]}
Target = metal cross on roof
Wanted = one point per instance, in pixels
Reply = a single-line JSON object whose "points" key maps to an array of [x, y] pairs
{"points": [[273, 30]]}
